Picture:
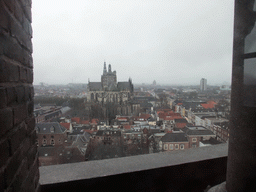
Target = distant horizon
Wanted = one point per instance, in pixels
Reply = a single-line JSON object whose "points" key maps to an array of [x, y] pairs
{"points": [[141, 84]]}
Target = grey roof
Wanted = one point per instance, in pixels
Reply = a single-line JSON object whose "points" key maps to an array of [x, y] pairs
{"points": [[174, 137], [124, 86], [65, 109], [153, 131], [180, 120], [95, 86], [142, 98], [211, 141], [146, 105], [197, 130], [112, 87], [45, 128], [85, 137], [80, 140]]}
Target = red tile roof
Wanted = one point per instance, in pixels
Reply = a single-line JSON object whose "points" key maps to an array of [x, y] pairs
{"points": [[127, 126], [181, 125], [209, 105], [75, 119], [122, 118], [170, 115], [85, 122], [94, 121], [66, 125], [145, 116], [164, 110]]}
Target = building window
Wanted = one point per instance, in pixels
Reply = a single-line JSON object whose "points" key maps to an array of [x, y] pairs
{"points": [[193, 145], [165, 146], [194, 139], [182, 146], [176, 146], [44, 142], [171, 147], [59, 141], [52, 142]]}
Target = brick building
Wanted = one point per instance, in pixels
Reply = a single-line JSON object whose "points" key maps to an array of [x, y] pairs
{"points": [[195, 134], [174, 141], [106, 143], [51, 134]]}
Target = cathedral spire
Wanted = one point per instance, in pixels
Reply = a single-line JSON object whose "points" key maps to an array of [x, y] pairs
{"points": [[105, 68], [109, 68]]}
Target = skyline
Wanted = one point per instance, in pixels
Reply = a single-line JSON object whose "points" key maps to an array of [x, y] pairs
{"points": [[170, 42]]}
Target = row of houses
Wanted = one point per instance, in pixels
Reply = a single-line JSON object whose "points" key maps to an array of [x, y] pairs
{"points": [[208, 118]]}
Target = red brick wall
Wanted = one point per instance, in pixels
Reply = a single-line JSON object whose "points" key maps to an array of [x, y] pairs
{"points": [[190, 140], [48, 137], [18, 160]]}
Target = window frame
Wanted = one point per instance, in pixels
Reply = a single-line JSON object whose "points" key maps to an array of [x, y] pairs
{"points": [[171, 146]]}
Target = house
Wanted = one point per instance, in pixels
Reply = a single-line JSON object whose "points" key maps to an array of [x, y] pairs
{"points": [[174, 141], [107, 143], [50, 134], [195, 134]]}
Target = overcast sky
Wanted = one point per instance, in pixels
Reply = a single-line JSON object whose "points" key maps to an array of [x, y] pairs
{"points": [[170, 41]]}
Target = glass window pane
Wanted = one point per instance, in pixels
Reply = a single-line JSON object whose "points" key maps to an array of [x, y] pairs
{"points": [[250, 42], [250, 82]]}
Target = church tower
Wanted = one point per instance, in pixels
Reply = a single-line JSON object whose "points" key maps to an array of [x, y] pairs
{"points": [[108, 79], [105, 68]]}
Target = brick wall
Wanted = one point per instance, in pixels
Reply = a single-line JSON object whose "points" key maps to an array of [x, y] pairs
{"points": [[18, 160]]}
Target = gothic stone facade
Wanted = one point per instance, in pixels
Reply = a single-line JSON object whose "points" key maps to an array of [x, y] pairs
{"points": [[110, 91]]}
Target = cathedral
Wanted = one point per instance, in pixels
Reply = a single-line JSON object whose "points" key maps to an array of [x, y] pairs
{"points": [[110, 92]]}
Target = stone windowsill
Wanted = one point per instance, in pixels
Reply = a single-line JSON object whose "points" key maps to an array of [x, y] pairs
{"points": [[94, 169]]}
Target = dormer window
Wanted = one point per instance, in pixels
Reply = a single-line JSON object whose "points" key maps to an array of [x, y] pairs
{"points": [[52, 129]]}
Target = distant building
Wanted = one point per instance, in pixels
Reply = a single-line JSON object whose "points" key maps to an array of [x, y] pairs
{"points": [[196, 134], [174, 141], [46, 112], [50, 134], [56, 147], [109, 90], [115, 98], [105, 144], [203, 84]]}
